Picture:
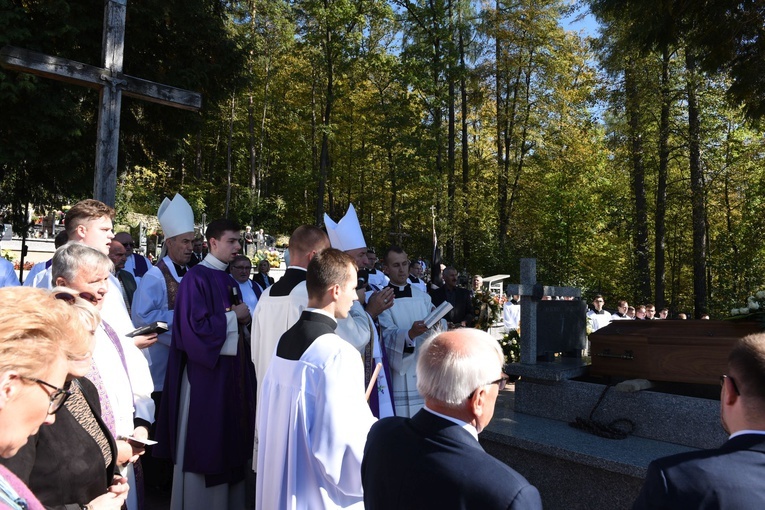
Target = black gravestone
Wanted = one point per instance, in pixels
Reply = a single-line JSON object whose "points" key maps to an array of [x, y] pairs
{"points": [[561, 327]]}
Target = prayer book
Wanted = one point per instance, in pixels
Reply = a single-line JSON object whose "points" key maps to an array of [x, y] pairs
{"points": [[157, 327], [437, 314]]}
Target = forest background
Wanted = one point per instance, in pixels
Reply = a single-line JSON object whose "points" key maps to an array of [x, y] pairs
{"points": [[630, 164]]}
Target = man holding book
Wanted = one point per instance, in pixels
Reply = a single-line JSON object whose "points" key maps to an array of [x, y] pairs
{"points": [[403, 328]]}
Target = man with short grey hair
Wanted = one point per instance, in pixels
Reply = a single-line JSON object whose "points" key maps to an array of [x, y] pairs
{"points": [[434, 460]]}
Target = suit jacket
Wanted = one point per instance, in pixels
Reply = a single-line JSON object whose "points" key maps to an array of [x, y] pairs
{"points": [[427, 462], [460, 300], [727, 477], [62, 464], [194, 260], [259, 279]]}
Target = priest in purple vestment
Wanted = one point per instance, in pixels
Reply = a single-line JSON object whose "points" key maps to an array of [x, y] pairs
{"points": [[207, 415]]}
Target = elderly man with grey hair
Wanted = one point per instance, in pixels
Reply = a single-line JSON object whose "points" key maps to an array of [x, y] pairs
{"points": [[434, 460]]}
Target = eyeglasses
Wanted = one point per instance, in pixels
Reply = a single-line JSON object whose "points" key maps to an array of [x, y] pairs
{"points": [[242, 268], [69, 298], [57, 398], [128, 245], [732, 381], [502, 382]]}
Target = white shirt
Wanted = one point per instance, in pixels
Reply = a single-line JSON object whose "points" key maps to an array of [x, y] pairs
{"points": [[511, 315], [599, 320]]}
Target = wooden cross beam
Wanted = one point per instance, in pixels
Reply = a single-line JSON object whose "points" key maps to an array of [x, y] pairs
{"points": [[111, 83]]}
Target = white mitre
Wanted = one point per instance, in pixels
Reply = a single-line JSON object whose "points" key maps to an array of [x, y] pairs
{"points": [[175, 216], [345, 234]]}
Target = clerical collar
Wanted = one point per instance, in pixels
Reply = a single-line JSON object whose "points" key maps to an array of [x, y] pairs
{"points": [[322, 312], [180, 270], [601, 312], [403, 291], [414, 278], [215, 262], [465, 425]]}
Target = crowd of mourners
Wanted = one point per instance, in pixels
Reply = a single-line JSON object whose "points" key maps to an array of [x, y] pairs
{"points": [[339, 385]]}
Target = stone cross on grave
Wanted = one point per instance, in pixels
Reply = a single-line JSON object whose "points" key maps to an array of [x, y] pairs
{"points": [[531, 293], [111, 84]]}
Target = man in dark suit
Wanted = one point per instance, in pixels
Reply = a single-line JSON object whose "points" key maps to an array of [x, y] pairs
{"points": [[730, 476], [433, 460], [261, 277], [196, 252], [462, 313]]}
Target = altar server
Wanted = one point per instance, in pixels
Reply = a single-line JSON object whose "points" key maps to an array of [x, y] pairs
{"points": [[280, 305], [312, 417]]}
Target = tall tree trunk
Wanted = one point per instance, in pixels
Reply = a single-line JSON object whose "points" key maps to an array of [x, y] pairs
{"points": [[451, 144], [502, 121], [314, 151], [698, 208], [735, 259], [438, 110], [640, 224], [198, 158], [660, 227], [228, 155], [260, 171], [324, 162], [465, 147]]}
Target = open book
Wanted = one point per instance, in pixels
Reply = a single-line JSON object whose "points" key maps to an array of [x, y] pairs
{"points": [[437, 314]]}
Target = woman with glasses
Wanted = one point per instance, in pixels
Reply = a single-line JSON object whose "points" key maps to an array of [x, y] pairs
{"points": [[71, 463], [120, 372], [33, 369]]}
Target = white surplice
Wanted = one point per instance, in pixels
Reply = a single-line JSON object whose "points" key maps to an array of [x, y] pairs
{"points": [[395, 323], [313, 421], [273, 316]]}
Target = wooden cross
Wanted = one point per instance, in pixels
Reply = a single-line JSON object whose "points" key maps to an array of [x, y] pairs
{"points": [[531, 293], [399, 235], [111, 84]]}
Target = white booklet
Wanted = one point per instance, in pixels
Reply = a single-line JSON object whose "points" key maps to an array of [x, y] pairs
{"points": [[437, 314]]}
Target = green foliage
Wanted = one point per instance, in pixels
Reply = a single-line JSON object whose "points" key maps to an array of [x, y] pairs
{"points": [[549, 158]]}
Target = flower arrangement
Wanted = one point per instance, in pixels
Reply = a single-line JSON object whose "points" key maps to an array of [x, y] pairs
{"points": [[755, 305], [486, 310], [511, 346], [272, 256]]}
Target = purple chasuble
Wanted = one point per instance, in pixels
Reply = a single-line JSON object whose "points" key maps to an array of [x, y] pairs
{"points": [[221, 419]]}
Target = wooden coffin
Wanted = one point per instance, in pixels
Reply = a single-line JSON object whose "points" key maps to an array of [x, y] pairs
{"points": [[694, 351]]}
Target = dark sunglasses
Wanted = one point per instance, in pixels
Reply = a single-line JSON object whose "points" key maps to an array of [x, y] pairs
{"points": [[70, 298]]}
